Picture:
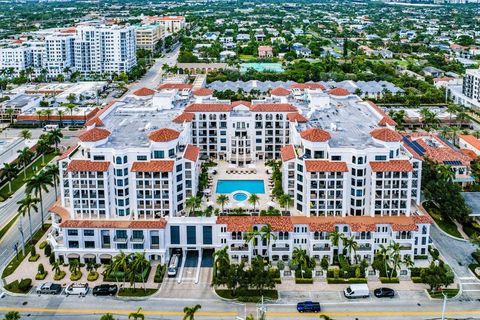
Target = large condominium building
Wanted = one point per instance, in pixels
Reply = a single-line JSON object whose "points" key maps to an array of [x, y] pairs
{"points": [[86, 49], [124, 187], [172, 24], [471, 84], [149, 35]]}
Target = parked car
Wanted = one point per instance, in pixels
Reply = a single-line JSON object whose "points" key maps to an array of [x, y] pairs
{"points": [[79, 289], [105, 290], [308, 306], [49, 288], [384, 293], [356, 291]]}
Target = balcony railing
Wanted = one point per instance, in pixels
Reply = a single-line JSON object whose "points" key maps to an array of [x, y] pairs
{"points": [[122, 239], [321, 248], [364, 248]]}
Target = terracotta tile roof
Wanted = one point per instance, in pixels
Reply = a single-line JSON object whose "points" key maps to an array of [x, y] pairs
{"points": [[172, 18], [310, 85], [280, 92], [315, 135], [88, 166], [405, 227], [295, 116], [469, 153], [273, 107], [191, 152], [422, 219], [115, 224], [94, 134], [359, 227], [60, 211], [208, 107], [241, 102], [391, 166], [203, 92], [179, 86], [153, 166], [69, 151], [412, 152], [144, 92], [471, 140], [387, 121], [163, 135], [94, 121], [325, 166], [287, 153], [340, 92], [245, 223], [387, 135], [385, 118], [184, 117]]}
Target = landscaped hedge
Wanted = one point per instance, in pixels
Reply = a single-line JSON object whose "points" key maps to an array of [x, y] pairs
{"points": [[472, 267], [386, 280], [307, 274], [277, 280], [160, 273], [248, 295], [23, 286], [416, 279], [303, 281], [138, 277], [349, 281]]}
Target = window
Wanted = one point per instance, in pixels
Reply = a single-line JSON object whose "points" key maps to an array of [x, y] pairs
{"points": [[191, 235], [98, 158], [336, 158], [158, 154], [73, 244], [142, 158], [174, 234], [380, 158], [89, 244], [88, 232], [207, 235], [72, 232]]}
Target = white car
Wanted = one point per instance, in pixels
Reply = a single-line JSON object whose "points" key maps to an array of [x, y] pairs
{"points": [[79, 289]]}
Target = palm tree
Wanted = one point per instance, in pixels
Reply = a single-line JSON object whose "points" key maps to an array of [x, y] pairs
{"points": [[253, 200], [26, 205], [221, 259], [445, 131], [12, 315], [267, 234], [10, 112], [445, 172], [25, 134], [140, 264], [351, 246], [121, 262], [383, 255], [285, 200], [107, 316], [56, 267], [190, 312], [407, 261], [9, 172], [74, 266], [42, 148], [300, 257], [37, 184], [451, 109], [454, 133], [251, 236], [48, 113], [60, 114], [136, 315], [24, 157], [39, 114], [335, 238], [70, 107], [53, 171], [192, 203], [55, 137], [222, 200]]}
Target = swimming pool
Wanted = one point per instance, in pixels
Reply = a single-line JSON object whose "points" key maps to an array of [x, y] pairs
{"points": [[262, 66], [240, 196], [250, 186]]}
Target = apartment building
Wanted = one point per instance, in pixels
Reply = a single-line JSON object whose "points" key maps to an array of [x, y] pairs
{"points": [[149, 35], [124, 186], [172, 24], [471, 84]]}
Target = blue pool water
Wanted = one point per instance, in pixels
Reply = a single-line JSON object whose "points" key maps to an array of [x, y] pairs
{"points": [[262, 66], [240, 196], [250, 186]]}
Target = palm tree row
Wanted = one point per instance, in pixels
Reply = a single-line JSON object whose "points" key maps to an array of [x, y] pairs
{"points": [[129, 267], [349, 244], [388, 259]]}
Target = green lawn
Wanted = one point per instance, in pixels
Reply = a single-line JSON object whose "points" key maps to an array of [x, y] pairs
{"points": [[439, 295], [137, 292], [246, 57], [447, 226], [13, 265], [19, 181]]}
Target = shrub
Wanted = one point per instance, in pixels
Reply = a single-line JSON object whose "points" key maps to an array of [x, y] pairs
{"points": [[76, 276], [92, 276], [324, 263], [19, 287], [416, 279], [33, 251], [160, 273], [307, 274], [348, 281], [41, 276], [48, 250], [41, 269], [42, 244], [433, 252], [59, 276], [25, 284], [34, 258], [358, 272], [386, 280], [303, 281], [280, 265], [51, 258], [277, 280]]}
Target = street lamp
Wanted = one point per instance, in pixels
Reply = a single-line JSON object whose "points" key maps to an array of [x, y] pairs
{"points": [[444, 305], [20, 228]]}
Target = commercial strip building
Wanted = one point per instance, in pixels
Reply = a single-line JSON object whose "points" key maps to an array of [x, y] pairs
{"points": [[125, 186]]}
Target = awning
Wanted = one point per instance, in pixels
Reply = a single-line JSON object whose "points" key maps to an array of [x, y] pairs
{"points": [[105, 256], [89, 256], [73, 256]]}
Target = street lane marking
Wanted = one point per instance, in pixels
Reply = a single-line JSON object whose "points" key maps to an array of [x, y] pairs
{"points": [[145, 312], [373, 313]]}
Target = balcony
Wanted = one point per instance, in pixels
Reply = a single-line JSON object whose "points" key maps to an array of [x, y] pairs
{"points": [[239, 248], [284, 248], [364, 247], [120, 239], [321, 248], [137, 239]]}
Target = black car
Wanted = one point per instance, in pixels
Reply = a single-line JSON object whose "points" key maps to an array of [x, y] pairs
{"points": [[105, 290], [384, 293], [308, 306]]}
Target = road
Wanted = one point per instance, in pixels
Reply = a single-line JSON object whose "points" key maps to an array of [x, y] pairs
{"points": [[152, 78]]}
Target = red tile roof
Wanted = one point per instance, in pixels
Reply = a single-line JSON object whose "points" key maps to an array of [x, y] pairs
{"points": [[94, 134], [153, 166], [163, 135], [391, 166], [191, 152], [471, 140], [295, 116], [179, 86], [245, 223], [469, 153], [280, 92], [203, 92], [241, 102], [60, 211], [287, 153], [340, 92], [115, 224], [385, 118], [67, 153], [144, 92], [325, 166], [94, 121], [208, 107], [88, 166], [310, 85], [387, 135], [273, 107], [184, 117], [315, 135]]}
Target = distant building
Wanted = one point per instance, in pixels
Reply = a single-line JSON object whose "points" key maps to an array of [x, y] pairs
{"points": [[265, 52], [149, 35]]}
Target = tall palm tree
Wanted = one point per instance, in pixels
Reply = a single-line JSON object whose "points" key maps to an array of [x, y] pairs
{"points": [[74, 266], [136, 315], [70, 107], [9, 172], [454, 133], [222, 200], [139, 265], [336, 237], [451, 109], [38, 183], [42, 147], [445, 172], [53, 171], [285, 200], [190, 312], [60, 114], [55, 137], [25, 155], [384, 255], [10, 112], [48, 113], [267, 234], [253, 200], [445, 131], [300, 257], [251, 235], [121, 262], [56, 267], [39, 114], [193, 203], [25, 134], [26, 205], [350, 245]]}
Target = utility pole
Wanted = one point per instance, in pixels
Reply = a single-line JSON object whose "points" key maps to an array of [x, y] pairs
{"points": [[444, 305]]}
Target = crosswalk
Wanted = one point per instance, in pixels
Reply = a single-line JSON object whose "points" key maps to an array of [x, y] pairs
{"points": [[470, 284]]}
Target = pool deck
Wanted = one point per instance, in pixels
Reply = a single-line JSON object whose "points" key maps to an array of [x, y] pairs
{"points": [[261, 174]]}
